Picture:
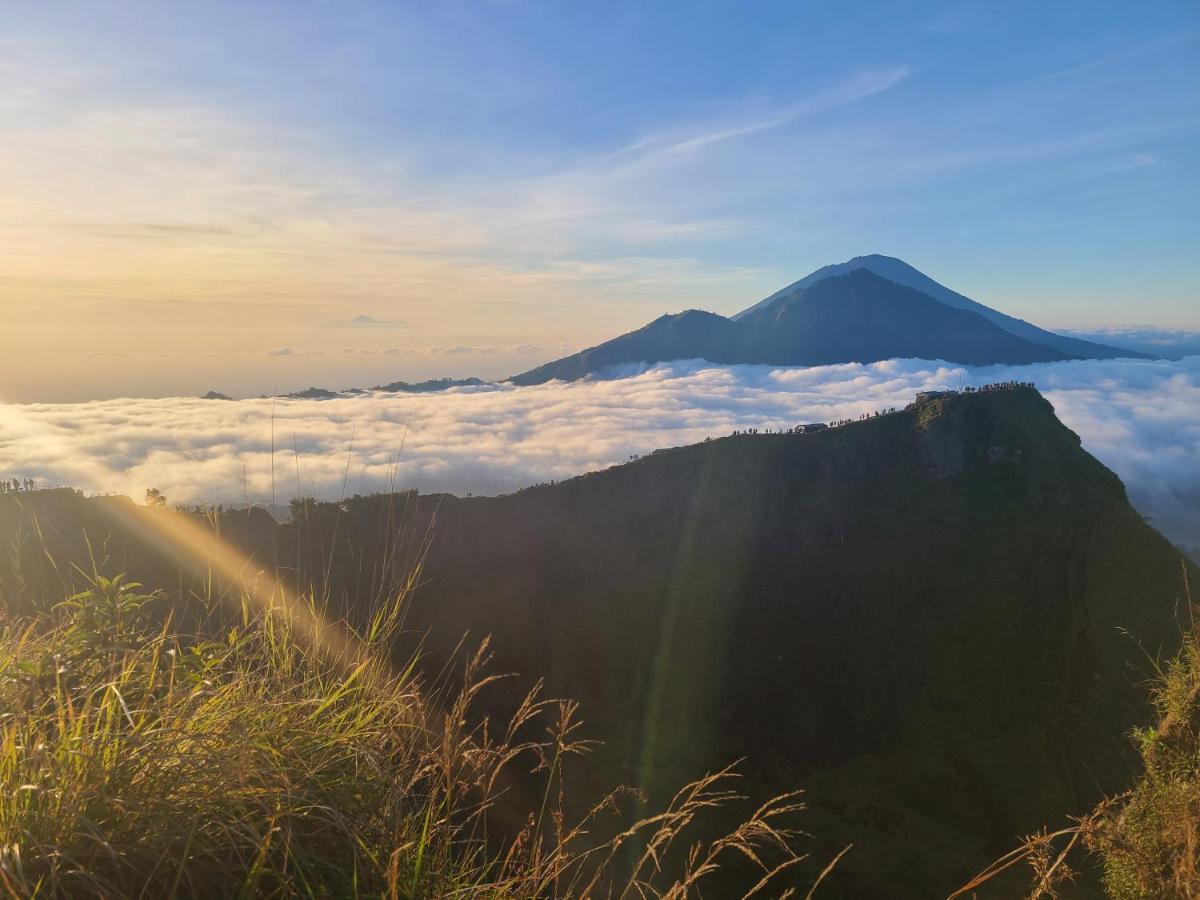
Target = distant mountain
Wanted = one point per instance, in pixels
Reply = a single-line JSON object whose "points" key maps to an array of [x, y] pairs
{"points": [[936, 621], [427, 387], [693, 334], [857, 316], [900, 272], [860, 316], [854, 319], [313, 393]]}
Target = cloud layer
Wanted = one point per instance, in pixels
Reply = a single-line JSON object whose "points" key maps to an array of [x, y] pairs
{"points": [[1174, 343], [1142, 418]]}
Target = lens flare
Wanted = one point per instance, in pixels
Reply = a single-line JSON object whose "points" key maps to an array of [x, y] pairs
{"points": [[201, 551]]}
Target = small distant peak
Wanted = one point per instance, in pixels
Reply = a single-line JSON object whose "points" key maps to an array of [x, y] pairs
{"points": [[686, 315], [429, 386], [312, 393], [215, 395]]}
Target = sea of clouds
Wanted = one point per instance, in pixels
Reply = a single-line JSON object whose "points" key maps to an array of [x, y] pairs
{"points": [[1140, 417]]}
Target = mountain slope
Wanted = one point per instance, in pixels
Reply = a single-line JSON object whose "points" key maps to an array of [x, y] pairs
{"points": [[920, 618], [860, 316], [855, 317], [693, 334], [900, 272]]}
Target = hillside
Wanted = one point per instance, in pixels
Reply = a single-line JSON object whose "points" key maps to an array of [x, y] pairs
{"points": [[853, 317], [935, 620], [915, 617]]}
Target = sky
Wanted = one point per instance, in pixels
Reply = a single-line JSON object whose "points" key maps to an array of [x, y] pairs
{"points": [[251, 197]]}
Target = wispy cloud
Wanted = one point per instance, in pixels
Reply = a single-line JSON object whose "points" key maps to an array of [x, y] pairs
{"points": [[365, 321], [858, 87], [288, 353], [1107, 61], [1130, 161], [446, 350]]}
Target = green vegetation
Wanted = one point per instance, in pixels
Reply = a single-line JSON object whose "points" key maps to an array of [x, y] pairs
{"points": [[1151, 842], [138, 760], [1147, 839]]}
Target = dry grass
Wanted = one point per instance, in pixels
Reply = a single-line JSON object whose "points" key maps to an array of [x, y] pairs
{"points": [[137, 761]]}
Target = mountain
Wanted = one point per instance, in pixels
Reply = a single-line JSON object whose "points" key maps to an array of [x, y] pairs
{"points": [[429, 386], [861, 316], [935, 621], [857, 316], [900, 272], [854, 319], [313, 393], [693, 334]]}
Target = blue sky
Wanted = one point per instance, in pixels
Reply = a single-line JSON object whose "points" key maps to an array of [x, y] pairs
{"points": [[510, 179]]}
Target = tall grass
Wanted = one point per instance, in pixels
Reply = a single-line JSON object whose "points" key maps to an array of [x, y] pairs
{"points": [[1146, 841], [140, 761], [1150, 843]]}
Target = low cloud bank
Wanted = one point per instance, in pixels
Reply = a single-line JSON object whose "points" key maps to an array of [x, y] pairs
{"points": [[1140, 417], [1171, 343]]}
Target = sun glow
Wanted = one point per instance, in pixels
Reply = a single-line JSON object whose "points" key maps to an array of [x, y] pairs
{"points": [[201, 551]]}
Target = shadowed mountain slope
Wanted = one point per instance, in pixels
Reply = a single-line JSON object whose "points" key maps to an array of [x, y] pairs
{"points": [[693, 334], [900, 272], [860, 316], [935, 621], [855, 317]]}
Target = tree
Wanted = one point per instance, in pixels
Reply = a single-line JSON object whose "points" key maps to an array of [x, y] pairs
{"points": [[155, 499], [302, 509]]}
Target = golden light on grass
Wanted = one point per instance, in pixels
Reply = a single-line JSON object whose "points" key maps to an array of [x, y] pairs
{"points": [[283, 757], [201, 551]]}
